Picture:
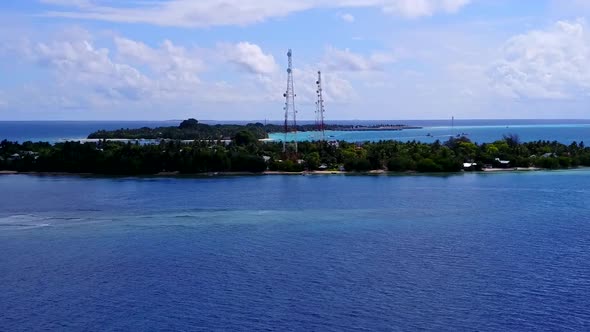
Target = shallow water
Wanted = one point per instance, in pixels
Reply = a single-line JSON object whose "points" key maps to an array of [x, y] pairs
{"points": [[563, 133], [463, 252], [481, 131]]}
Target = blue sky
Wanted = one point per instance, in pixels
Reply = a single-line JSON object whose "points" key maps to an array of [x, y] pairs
{"points": [[226, 59]]}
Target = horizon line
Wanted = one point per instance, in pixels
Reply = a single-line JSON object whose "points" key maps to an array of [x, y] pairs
{"points": [[302, 120]]}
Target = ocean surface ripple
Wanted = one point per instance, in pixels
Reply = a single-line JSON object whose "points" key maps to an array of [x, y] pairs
{"points": [[473, 252]]}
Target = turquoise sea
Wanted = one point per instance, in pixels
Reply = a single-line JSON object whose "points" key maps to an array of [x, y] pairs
{"points": [[564, 133], [481, 131], [468, 252]]}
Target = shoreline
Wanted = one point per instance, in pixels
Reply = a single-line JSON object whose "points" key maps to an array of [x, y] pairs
{"points": [[303, 173], [521, 169]]}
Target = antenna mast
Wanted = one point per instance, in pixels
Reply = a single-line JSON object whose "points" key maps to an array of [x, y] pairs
{"points": [[290, 105], [320, 108]]}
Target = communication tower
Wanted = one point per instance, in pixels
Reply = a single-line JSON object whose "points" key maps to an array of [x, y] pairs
{"points": [[320, 108], [290, 111]]}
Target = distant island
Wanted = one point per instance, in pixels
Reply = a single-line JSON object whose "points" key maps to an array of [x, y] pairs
{"points": [[244, 152], [192, 129]]}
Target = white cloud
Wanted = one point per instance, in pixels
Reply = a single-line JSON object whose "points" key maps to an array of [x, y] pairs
{"points": [[78, 62], [337, 89], [345, 60], [551, 64], [347, 18], [234, 12], [249, 57], [418, 8], [77, 3], [88, 76], [19, 48], [168, 61], [184, 13], [134, 75]]}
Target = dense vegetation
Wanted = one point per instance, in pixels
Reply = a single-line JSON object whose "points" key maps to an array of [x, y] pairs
{"points": [[191, 129], [246, 154]]}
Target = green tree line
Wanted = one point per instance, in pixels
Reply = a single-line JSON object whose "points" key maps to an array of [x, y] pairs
{"points": [[192, 129], [245, 153]]}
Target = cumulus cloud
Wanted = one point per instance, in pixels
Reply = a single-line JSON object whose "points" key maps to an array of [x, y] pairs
{"points": [[418, 8], [347, 18], [551, 64], [232, 12], [80, 63], [170, 61], [249, 57], [87, 75], [337, 89], [135, 75], [345, 60]]}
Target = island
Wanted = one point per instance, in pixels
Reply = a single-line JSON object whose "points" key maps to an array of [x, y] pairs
{"points": [[244, 152], [192, 129]]}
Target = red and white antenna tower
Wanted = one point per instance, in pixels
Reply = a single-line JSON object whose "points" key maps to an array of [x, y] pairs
{"points": [[320, 108], [290, 105]]}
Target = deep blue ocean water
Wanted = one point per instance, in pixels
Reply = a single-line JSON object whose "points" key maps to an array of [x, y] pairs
{"points": [[471, 252], [481, 131], [55, 131]]}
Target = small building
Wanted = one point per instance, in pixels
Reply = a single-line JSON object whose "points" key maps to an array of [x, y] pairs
{"points": [[266, 158], [469, 166], [502, 163]]}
